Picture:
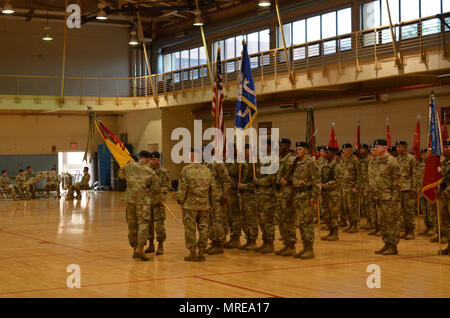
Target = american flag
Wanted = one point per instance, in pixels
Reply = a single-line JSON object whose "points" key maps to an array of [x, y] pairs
{"points": [[217, 107]]}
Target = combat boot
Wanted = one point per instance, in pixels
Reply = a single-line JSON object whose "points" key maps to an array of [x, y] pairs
{"points": [[278, 252], [410, 234], [347, 228], [391, 250], [263, 245], [374, 231], [217, 249], [150, 248], [160, 250], [211, 246], [353, 229], [135, 252], [140, 253], [446, 251], [403, 234], [324, 238], [333, 235], [235, 243], [309, 253], [252, 245], [343, 223], [243, 247], [192, 257], [424, 232], [201, 254], [299, 254], [290, 250], [381, 250], [229, 242], [267, 249]]}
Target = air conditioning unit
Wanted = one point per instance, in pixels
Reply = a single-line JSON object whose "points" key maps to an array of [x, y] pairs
{"points": [[286, 106], [367, 99]]}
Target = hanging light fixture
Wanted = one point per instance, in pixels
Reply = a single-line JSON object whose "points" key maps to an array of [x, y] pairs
{"points": [[101, 14], [47, 36], [264, 3], [198, 21], [133, 40], [7, 8]]}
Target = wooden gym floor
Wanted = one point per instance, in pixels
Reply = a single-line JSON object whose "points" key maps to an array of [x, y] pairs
{"points": [[40, 238]]}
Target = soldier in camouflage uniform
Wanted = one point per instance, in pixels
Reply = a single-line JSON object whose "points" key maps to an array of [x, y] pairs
{"points": [[349, 167], [331, 195], [370, 192], [157, 211], [233, 209], [196, 196], [7, 187], [427, 209], [217, 219], [247, 199], [29, 174], [385, 185], [23, 188], [52, 183], [77, 187], [444, 196], [306, 182], [408, 187], [285, 199], [141, 182], [364, 183], [265, 203]]}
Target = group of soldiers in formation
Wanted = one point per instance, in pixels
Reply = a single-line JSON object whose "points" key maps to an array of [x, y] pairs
{"points": [[25, 187], [379, 184]]}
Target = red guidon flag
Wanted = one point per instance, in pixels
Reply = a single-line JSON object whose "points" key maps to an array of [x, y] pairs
{"points": [[217, 107], [358, 136], [388, 133], [333, 140], [416, 140]]}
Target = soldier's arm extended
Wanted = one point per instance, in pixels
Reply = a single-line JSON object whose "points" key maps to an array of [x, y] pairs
{"points": [[165, 182], [182, 187]]}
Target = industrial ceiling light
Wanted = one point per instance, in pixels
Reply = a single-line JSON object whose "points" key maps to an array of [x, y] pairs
{"points": [[47, 36], [7, 8], [133, 40], [198, 21], [264, 3], [101, 14]]}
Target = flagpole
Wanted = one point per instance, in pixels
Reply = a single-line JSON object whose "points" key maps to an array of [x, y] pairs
{"points": [[206, 48]]}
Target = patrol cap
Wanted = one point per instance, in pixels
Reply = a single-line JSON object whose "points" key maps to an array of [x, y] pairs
{"points": [[285, 141], [346, 146], [401, 143], [393, 149], [327, 148], [380, 142], [303, 144], [364, 146], [3, 171], [424, 150], [155, 154], [447, 142], [85, 169]]}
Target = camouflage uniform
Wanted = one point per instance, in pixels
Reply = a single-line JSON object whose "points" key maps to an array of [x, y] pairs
{"points": [[52, 183], [7, 187], [385, 185], [349, 180], [217, 219], [265, 203], [141, 182], [22, 186], [427, 208], [306, 183], [363, 186], [444, 201], [247, 202], [372, 206], [157, 211], [285, 203], [31, 185], [77, 187], [408, 183], [338, 176], [331, 195], [196, 195], [233, 211]]}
